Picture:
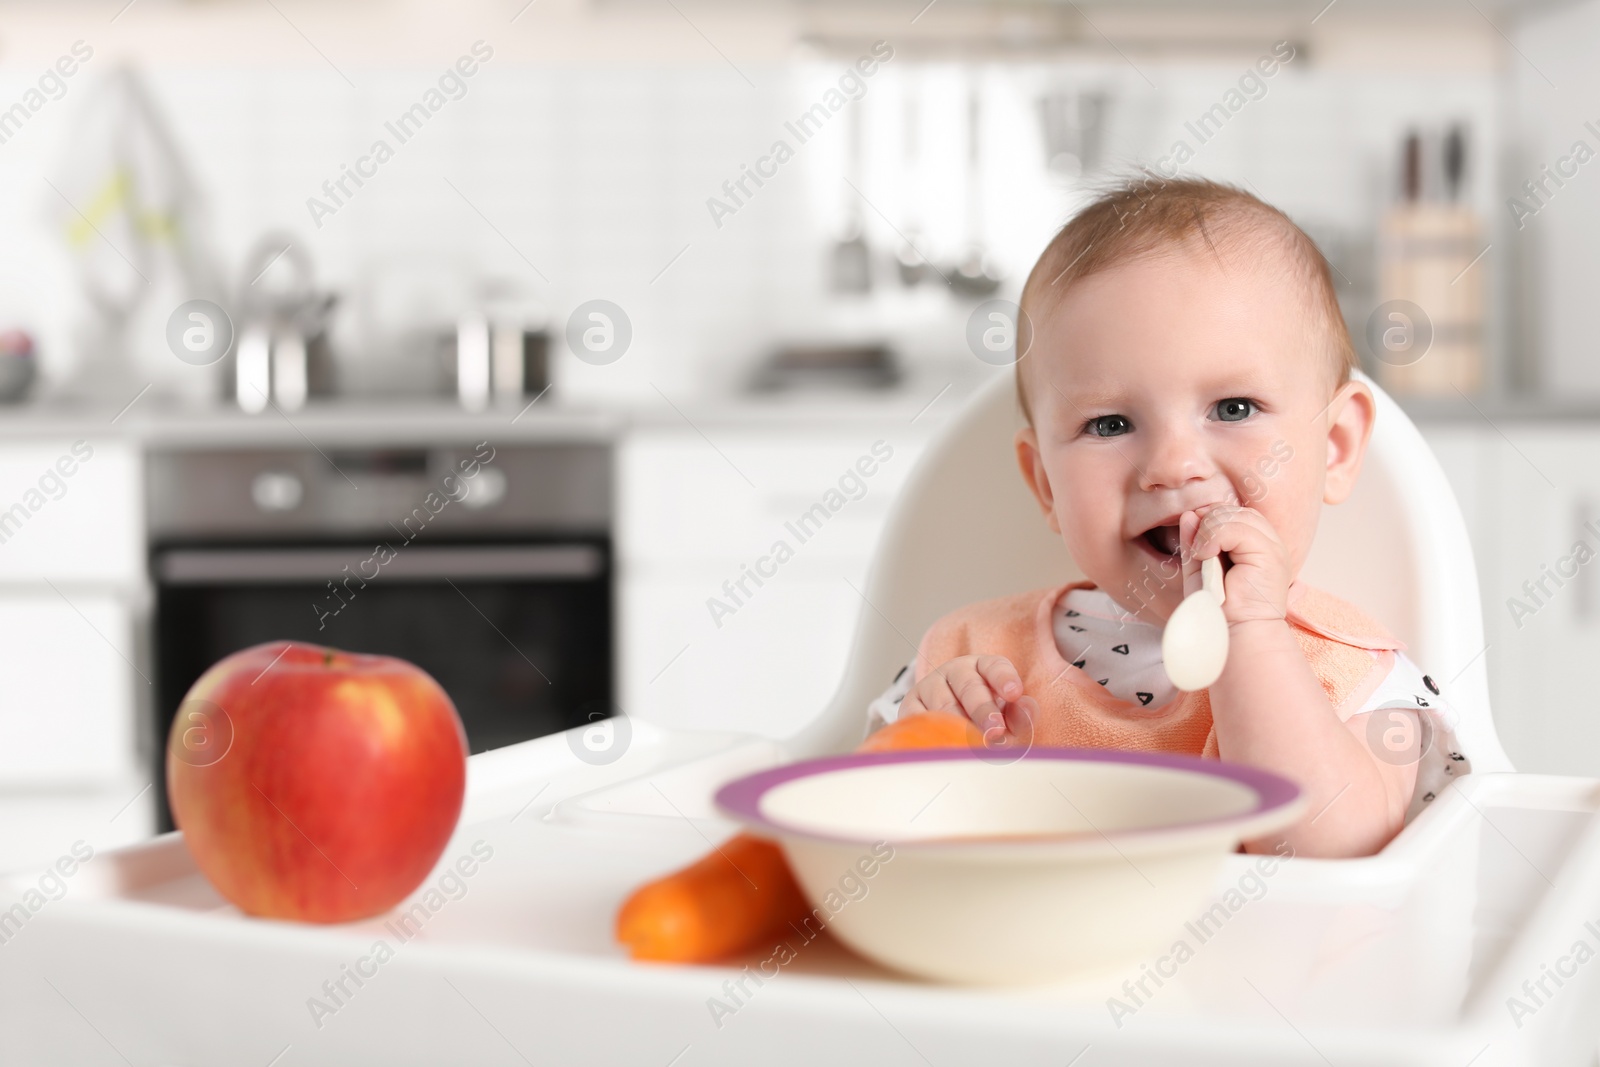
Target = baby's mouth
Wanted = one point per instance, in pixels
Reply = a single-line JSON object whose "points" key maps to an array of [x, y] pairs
{"points": [[1162, 540]]}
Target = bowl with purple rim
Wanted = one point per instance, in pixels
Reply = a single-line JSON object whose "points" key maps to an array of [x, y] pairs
{"points": [[1063, 864]]}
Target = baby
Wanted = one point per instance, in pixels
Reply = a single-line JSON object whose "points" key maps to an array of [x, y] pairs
{"points": [[1188, 394]]}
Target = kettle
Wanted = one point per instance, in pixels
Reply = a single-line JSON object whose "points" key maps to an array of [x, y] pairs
{"points": [[283, 356]]}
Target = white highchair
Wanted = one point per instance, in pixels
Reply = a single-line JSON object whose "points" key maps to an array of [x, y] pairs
{"points": [[1466, 942], [965, 528]]}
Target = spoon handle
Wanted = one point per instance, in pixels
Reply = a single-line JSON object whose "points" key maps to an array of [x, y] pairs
{"points": [[1211, 577]]}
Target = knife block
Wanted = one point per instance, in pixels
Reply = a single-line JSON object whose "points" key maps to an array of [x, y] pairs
{"points": [[1426, 255]]}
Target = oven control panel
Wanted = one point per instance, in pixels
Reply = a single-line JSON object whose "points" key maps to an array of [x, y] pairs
{"points": [[299, 492]]}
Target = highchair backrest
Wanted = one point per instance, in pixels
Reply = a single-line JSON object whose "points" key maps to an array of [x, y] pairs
{"points": [[966, 528]]}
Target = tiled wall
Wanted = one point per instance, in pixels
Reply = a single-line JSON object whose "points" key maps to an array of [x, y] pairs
{"points": [[597, 176]]}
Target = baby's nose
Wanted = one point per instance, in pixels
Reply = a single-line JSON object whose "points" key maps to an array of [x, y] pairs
{"points": [[1174, 458]]}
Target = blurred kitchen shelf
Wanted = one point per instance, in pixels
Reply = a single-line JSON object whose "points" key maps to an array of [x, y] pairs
{"points": [[1128, 31], [1496, 409], [1085, 12], [550, 419]]}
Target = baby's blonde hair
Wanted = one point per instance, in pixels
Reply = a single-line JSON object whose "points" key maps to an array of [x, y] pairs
{"points": [[1144, 215]]}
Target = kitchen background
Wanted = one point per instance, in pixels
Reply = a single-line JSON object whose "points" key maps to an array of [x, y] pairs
{"points": [[772, 332]]}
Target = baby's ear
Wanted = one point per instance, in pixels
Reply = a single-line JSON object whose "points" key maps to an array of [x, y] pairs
{"points": [[1032, 464], [1350, 419]]}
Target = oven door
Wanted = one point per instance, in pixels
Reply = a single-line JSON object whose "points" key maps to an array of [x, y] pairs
{"points": [[518, 633]]}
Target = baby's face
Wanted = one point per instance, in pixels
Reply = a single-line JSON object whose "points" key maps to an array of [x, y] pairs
{"points": [[1168, 383]]}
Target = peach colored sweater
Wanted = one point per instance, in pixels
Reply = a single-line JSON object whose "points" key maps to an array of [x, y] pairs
{"points": [[1350, 653]]}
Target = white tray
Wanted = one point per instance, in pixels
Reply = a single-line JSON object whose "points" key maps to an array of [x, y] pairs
{"points": [[1404, 958]]}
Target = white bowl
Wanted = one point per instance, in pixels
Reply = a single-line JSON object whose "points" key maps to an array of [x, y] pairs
{"points": [[1063, 863]]}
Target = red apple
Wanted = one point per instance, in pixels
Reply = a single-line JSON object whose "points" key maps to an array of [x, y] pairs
{"points": [[314, 784]]}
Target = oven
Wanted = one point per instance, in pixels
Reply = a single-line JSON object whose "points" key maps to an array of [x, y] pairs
{"points": [[489, 566]]}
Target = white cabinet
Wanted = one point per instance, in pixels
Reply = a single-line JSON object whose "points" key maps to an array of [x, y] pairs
{"points": [[70, 510], [768, 669], [740, 552], [1544, 598], [71, 552], [1531, 496], [66, 693], [737, 493]]}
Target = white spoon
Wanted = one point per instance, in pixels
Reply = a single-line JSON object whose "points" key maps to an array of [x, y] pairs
{"points": [[1194, 646]]}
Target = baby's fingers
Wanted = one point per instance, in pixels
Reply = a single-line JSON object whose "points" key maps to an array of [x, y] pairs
{"points": [[1020, 715], [911, 704], [1188, 531], [931, 694], [978, 702], [1002, 678]]}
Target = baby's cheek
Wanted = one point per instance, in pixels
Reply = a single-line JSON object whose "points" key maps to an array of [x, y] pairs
{"points": [[1087, 513], [1090, 518], [1086, 540], [1292, 511]]}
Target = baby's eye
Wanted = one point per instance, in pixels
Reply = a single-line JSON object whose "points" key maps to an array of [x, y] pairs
{"points": [[1108, 426], [1234, 409]]}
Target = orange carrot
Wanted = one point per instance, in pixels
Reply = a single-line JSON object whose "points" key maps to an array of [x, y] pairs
{"points": [[931, 729], [732, 899], [743, 892]]}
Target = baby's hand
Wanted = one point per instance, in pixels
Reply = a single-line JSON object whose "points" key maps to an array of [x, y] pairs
{"points": [[1257, 584], [986, 689]]}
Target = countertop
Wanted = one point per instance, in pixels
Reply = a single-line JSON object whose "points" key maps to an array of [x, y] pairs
{"points": [[345, 422], [926, 403], [1510, 408]]}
